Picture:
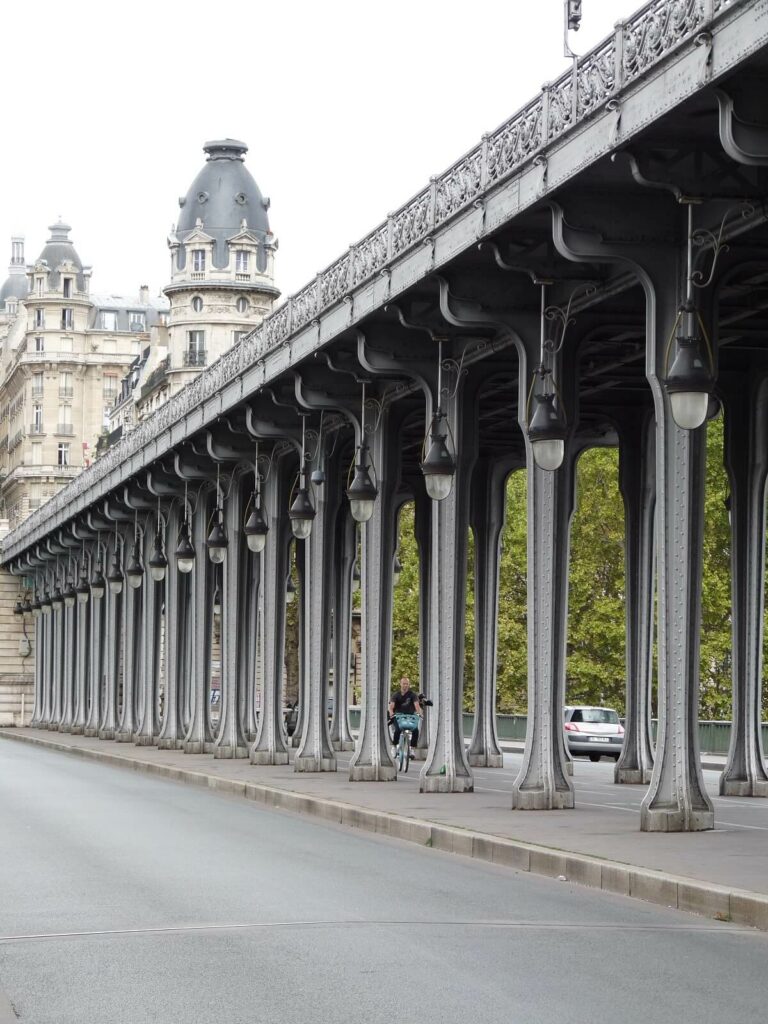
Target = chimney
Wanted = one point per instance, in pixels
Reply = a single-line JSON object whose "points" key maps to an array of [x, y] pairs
{"points": [[144, 295]]}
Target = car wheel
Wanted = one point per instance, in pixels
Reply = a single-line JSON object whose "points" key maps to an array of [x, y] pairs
{"points": [[594, 757]]}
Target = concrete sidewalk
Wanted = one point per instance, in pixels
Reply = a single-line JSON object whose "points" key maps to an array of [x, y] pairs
{"points": [[721, 874]]}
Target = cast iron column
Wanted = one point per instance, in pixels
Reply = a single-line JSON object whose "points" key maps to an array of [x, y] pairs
{"points": [[372, 761], [637, 482], [198, 734], [487, 510], [544, 781], [175, 628], [746, 457], [270, 747], [346, 552], [230, 741]]}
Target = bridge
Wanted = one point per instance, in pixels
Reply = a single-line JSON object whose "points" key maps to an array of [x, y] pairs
{"points": [[592, 273]]}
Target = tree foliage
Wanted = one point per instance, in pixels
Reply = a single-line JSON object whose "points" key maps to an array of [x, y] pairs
{"points": [[595, 667]]}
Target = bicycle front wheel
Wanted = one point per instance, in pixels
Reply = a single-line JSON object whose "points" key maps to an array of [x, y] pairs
{"points": [[406, 752]]}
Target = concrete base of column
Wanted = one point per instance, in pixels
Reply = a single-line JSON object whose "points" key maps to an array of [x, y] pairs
{"points": [[230, 752], [446, 784], [314, 764], [346, 745], [193, 747], [632, 776], [373, 773], [541, 800], [486, 760], [145, 741], [62, 728], [743, 787], [90, 732], [123, 737], [265, 757], [673, 820], [106, 734], [77, 730], [169, 744]]}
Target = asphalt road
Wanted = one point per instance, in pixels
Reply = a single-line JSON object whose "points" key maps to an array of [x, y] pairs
{"points": [[129, 899]]}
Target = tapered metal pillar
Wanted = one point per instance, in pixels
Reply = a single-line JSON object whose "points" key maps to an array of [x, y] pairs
{"points": [[131, 606], [270, 747], [198, 734], [746, 458], [152, 596], [68, 669], [422, 534], [113, 645], [169, 737], [372, 760], [49, 664], [315, 753], [544, 782], [346, 552], [230, 741], [446, 769], [58, 669], [677, 800], [37, 711], [96, 609], [637, 482], [487, 508], [82, 612]]}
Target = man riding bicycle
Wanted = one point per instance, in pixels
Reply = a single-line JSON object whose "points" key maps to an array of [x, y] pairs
{"points": [[406, 702]]}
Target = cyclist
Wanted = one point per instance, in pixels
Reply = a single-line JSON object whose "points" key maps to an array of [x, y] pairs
{"points": [[406, 702]]}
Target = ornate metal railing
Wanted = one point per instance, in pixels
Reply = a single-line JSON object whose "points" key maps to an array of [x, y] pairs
{"points": [[638, 43]]}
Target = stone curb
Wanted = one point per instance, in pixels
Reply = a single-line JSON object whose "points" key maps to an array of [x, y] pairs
{"points": [[722, 903]]}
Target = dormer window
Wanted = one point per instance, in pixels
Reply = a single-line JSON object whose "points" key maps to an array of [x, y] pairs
{"points": [[137, 321], [67, 287], [108, 320], [40, 283], [12, 306], [241, 262], [198, 261]]}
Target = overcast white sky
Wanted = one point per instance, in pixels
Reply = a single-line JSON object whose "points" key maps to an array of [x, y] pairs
{"points": [[347, 106]]}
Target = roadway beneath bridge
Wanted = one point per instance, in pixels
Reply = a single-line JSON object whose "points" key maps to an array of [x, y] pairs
{"points": [[604, 824], [132, 899]]}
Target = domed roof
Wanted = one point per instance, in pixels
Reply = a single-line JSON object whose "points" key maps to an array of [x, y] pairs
{"points": [[57, 250], [15, 287], [222, 196]]}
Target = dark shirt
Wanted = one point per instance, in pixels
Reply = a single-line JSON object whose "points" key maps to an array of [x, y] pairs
{"points": [[405, 703]]}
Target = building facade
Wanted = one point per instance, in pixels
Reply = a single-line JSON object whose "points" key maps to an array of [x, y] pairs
{"points": [[64, 354], [221, 283]]}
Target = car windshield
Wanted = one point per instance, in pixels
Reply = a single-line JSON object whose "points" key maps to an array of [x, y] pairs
{"points": [[602, 716]]}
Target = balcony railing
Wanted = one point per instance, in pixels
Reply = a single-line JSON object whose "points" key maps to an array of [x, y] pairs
{"points": [[65, 428], [195, 357], [65, 392], [242, 277], [36, 428], [37, 392], [197, 276]]}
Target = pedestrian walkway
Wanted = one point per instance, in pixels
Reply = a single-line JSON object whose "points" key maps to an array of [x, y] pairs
{"points": [[722, 873]]}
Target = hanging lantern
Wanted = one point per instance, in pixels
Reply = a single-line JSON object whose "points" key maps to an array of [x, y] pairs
{"points": [[302, 513], [158, 563], [217, 539], [256, 528], [185, 552], [135, 570]]}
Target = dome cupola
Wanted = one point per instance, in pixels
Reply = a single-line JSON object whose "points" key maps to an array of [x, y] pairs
{"points": [[60, 255], [222, 202]]}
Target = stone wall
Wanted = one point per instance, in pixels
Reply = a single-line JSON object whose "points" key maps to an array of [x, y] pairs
{"points": [[17, 671]]}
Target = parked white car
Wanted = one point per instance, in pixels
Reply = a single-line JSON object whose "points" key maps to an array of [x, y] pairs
{"points": [[593, 732]]}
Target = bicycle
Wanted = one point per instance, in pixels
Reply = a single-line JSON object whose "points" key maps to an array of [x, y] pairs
{"points": [[407, 724]]}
